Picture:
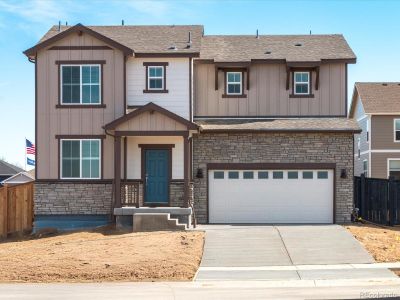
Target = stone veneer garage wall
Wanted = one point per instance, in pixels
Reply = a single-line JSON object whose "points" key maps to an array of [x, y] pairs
{"points": [[275, 148], [73, 198]]}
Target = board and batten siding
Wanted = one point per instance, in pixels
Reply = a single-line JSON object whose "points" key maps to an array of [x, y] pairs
{"points": [[52, 121], [268, 95], [177, 84], [383, 132], [379, 164], [134, 163]]}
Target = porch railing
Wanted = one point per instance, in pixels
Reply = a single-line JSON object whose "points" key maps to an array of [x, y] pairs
{"points": [[130, 194]]}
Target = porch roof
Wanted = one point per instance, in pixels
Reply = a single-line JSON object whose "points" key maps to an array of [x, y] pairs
{"points": [[150, 109]]}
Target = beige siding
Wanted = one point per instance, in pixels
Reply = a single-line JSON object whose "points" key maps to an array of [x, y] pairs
{"points": [[382, 128], [134, 162], [151, 122], [379, 166], [268, 95], [52, 121]]}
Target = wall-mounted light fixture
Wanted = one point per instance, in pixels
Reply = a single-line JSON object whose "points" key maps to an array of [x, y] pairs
{"points": [[199, 173], [343, 173]]}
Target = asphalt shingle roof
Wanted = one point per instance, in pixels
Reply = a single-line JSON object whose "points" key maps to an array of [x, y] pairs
{"points": [[147, 39], [9, 169], [379, 97], [276, 125], [310, 48]]}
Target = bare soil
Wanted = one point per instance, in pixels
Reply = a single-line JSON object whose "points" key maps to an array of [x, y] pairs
{"points": [[382, 242], [102, 255]]}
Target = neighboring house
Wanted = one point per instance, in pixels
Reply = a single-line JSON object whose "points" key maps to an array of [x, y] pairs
{"points": [[8, 170], [376, 108], [22, 177], [255, 126]]}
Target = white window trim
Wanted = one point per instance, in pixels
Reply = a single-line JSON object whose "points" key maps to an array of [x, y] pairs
{"points": [[80, 84], [388, 165], [366, 175], [80, 160], [235, 83], [394, 131], [295, 83], [155, 77]]}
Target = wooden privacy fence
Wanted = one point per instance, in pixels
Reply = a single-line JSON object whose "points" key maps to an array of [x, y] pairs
{"points": [[16, 209], [378, 200]]}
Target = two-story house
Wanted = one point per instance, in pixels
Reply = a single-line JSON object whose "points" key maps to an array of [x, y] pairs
{"points": [[251, 129], [376, 108]]}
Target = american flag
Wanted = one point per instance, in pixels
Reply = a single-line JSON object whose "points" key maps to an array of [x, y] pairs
{"points": [[30, 148]]}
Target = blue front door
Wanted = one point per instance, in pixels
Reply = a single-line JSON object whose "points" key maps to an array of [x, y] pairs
{"points": [[156, 176]]}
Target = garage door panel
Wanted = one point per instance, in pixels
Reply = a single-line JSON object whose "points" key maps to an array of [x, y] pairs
{"points": [[271, 200]]}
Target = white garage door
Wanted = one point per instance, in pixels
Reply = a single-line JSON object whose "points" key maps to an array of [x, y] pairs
{"points": [[271, 196]]}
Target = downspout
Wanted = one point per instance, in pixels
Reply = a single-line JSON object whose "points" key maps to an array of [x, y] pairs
{"points": [[112, 217]]}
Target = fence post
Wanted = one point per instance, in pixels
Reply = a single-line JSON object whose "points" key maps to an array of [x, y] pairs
{"points": [[391, 200], [362, 196]]}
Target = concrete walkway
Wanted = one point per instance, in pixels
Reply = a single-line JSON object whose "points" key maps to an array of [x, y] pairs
{"points": [[325, 251]]}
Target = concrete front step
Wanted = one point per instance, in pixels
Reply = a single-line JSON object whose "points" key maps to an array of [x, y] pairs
{"points": [[155, 222]]}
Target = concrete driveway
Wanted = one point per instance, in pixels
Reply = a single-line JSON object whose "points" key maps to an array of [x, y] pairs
{"points": [[284, 252]]}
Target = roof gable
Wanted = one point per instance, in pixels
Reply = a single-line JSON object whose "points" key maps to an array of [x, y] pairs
{"points": [[77, 28], [8, 169], [149, 108]]}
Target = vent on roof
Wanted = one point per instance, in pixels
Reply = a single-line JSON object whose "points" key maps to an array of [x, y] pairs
{"points": [[189, 44], [268, 52], [59, 25], [257, 36], [298, 44], [173, 47], [122, 22], [384, 84]]}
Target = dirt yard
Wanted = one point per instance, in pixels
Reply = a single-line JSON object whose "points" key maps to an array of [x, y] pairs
{"points": [[102, 255], [382, 243]]}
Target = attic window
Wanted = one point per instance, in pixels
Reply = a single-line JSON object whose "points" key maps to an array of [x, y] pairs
{"points": [[298, 44]]}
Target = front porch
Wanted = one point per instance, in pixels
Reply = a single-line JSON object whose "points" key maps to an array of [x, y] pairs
{"points": [[152, 165]]}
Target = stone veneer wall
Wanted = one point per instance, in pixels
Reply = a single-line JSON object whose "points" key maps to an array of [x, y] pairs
{"points": [[275, 148], [73, 198]]}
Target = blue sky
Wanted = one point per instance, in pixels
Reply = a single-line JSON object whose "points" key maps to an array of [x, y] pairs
{"points": [[371, 27]]}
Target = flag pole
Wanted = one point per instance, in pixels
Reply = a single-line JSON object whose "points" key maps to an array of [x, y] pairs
{"points": [[25, 153]]}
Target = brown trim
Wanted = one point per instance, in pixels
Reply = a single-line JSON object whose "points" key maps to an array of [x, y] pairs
{"points": [[310, 71], [317, 78], [81, 106], [151, 107], [117, 171], [164, 54], [304, 65], [186, 170], [156, 64], [77, 181], [190, 91], [36, 119], [203, 61], [248, 78], [254, 118], [346, 91], [151, 133], [340, 60], [191, 159], [300, 130], [156, 146], [275, 61], [216, 79], [301, 96], [134, 106], [79, 28], [234, 96], [143, 150], [59, 159], [124, 75], [102, 159], [80, 136], [125, 157], [80, 62], [80, 48], [277, 166]]}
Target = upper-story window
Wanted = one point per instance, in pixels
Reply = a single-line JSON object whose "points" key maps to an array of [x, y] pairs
{"points": [[155, 77], [80, 84], [397, 130], [234, 83], [301, 83]]}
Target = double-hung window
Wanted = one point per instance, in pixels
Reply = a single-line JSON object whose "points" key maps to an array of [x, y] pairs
{"points": [[155, 77], [80, 159], [234, 85], [397, 130], [394, 168], [301, 83], [80, 84]]}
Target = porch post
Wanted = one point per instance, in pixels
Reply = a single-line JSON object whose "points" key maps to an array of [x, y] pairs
{"points": [[186, 168], [117, 170]]}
